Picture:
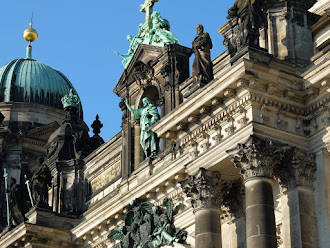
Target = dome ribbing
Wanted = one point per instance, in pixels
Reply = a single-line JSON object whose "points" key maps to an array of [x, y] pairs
{"points": [[27, 80]]}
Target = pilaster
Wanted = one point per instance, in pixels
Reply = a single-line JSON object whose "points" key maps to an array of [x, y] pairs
{"points": [[296, 178]]}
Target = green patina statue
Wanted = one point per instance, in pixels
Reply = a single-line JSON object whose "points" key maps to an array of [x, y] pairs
{"points": [[155, 31], [148, 115], [160, 33], [134, 43], [148, 226]]}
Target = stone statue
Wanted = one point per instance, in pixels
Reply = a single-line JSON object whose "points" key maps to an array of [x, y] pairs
{"points": [[202, 68], [17, 203], [148, 226], [160, 33], [249, 16], [148, 115], [41, 180]]}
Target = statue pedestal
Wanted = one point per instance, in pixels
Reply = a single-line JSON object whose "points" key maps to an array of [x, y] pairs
{"points": [[190, 86], [47, 218]]}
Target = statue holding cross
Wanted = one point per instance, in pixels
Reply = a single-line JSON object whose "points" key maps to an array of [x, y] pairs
{"points": [[147, 7]]}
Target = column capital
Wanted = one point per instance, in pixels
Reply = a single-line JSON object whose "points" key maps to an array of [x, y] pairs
{"points": [[298, 170], [234, 201], [205, 189], [256, 157]]}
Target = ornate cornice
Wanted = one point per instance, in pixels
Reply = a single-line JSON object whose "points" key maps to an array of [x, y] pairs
{"points": [[205, 189], [256, 157]]}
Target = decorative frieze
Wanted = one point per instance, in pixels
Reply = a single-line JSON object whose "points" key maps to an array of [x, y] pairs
{"points": [[271, 88], [242, 84], [253, 83], [229, 93], [193, 152], [205, 189], [306, 125], [281, 123], [263, 117], [242, 117], [218, 136]]}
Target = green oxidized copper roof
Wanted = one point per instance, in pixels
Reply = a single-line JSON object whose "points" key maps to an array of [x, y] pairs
{"points": [[27, 80]]}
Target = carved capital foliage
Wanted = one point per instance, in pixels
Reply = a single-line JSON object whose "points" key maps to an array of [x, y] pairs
{"points": [[297, 169], [234, 200], [205, 189], [265, 158], [256, 157]]}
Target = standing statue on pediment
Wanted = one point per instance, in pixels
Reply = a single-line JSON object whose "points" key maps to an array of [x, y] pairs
{"points": [[249, 15], [202, 68], [148, 115]]}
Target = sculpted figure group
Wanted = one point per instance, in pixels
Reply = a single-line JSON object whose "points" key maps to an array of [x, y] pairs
{"points": [[155, 31], [148, 226]]}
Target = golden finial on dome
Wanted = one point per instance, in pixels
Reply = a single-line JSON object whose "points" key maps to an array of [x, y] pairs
{"points": [[30, 34]]}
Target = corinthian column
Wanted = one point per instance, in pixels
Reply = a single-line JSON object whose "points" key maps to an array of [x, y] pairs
{"points": [[255, 158], [207, 192]]}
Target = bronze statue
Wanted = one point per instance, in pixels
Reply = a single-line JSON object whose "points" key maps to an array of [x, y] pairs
{"points": [[202, 66], [148, 115], [148, 226]]}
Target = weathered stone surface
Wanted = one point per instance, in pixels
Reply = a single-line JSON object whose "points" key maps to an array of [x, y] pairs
{"points": [[205, 189], [257, 157], [260, 219]]}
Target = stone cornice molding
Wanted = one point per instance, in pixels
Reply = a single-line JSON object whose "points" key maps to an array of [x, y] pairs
{"points": [[256, 157], [224, 116], [205, 189]]}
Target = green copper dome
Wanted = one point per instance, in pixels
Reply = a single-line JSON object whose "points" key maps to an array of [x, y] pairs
{"points": [[27, 80]]}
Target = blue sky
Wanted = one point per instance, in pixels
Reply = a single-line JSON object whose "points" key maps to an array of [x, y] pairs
{"points": [[76, 37]]}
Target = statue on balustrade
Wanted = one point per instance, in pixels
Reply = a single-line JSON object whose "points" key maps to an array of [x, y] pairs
{"points": [[202, 68], [148, 115]]}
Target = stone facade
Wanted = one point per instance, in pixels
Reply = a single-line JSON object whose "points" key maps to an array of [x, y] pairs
{"points": [[244, 158]]}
